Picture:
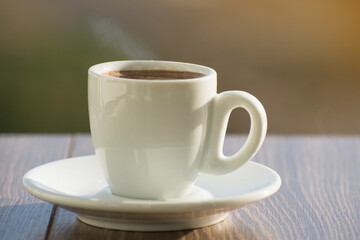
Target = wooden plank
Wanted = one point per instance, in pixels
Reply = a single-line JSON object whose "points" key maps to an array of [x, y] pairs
{"points": [[83, 145], [23, 216], [319, 197]]}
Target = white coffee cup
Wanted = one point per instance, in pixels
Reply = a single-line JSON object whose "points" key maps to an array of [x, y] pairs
{"points": [[153, 137]]}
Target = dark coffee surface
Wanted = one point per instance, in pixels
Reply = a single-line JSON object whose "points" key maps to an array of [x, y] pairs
{"points": [[154, 74]]}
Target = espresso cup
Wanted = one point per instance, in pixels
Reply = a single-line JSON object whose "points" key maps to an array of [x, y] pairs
{"points": [[154, 135]]}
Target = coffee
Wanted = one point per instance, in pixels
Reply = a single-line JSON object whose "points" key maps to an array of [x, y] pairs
{"points": [[154, 74]]}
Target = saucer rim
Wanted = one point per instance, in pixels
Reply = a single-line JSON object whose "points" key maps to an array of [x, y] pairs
{"points": [[151, 206]]}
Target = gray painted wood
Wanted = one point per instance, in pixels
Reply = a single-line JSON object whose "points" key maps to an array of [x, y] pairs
{"points": [[23, 216], [319, 197]]}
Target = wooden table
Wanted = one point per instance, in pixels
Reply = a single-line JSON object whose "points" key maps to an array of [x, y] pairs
{"points": [[319, 197]]}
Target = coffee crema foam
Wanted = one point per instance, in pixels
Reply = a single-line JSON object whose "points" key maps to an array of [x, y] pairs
{"points": [[154, 74]]}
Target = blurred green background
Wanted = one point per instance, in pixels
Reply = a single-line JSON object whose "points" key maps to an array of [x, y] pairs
{"points": [[301, 59]]}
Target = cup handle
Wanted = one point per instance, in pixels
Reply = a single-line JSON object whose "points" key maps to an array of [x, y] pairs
{"points": [[214, 161]]}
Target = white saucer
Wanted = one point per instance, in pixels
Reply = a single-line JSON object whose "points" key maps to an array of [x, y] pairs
{"points": [[77, 184]]}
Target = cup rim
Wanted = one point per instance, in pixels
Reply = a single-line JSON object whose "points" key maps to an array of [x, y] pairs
{"points": [[170, 65]]}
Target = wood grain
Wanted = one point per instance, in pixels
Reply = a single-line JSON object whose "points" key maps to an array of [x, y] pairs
{"points": [[319, 197], [23, 216]]}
